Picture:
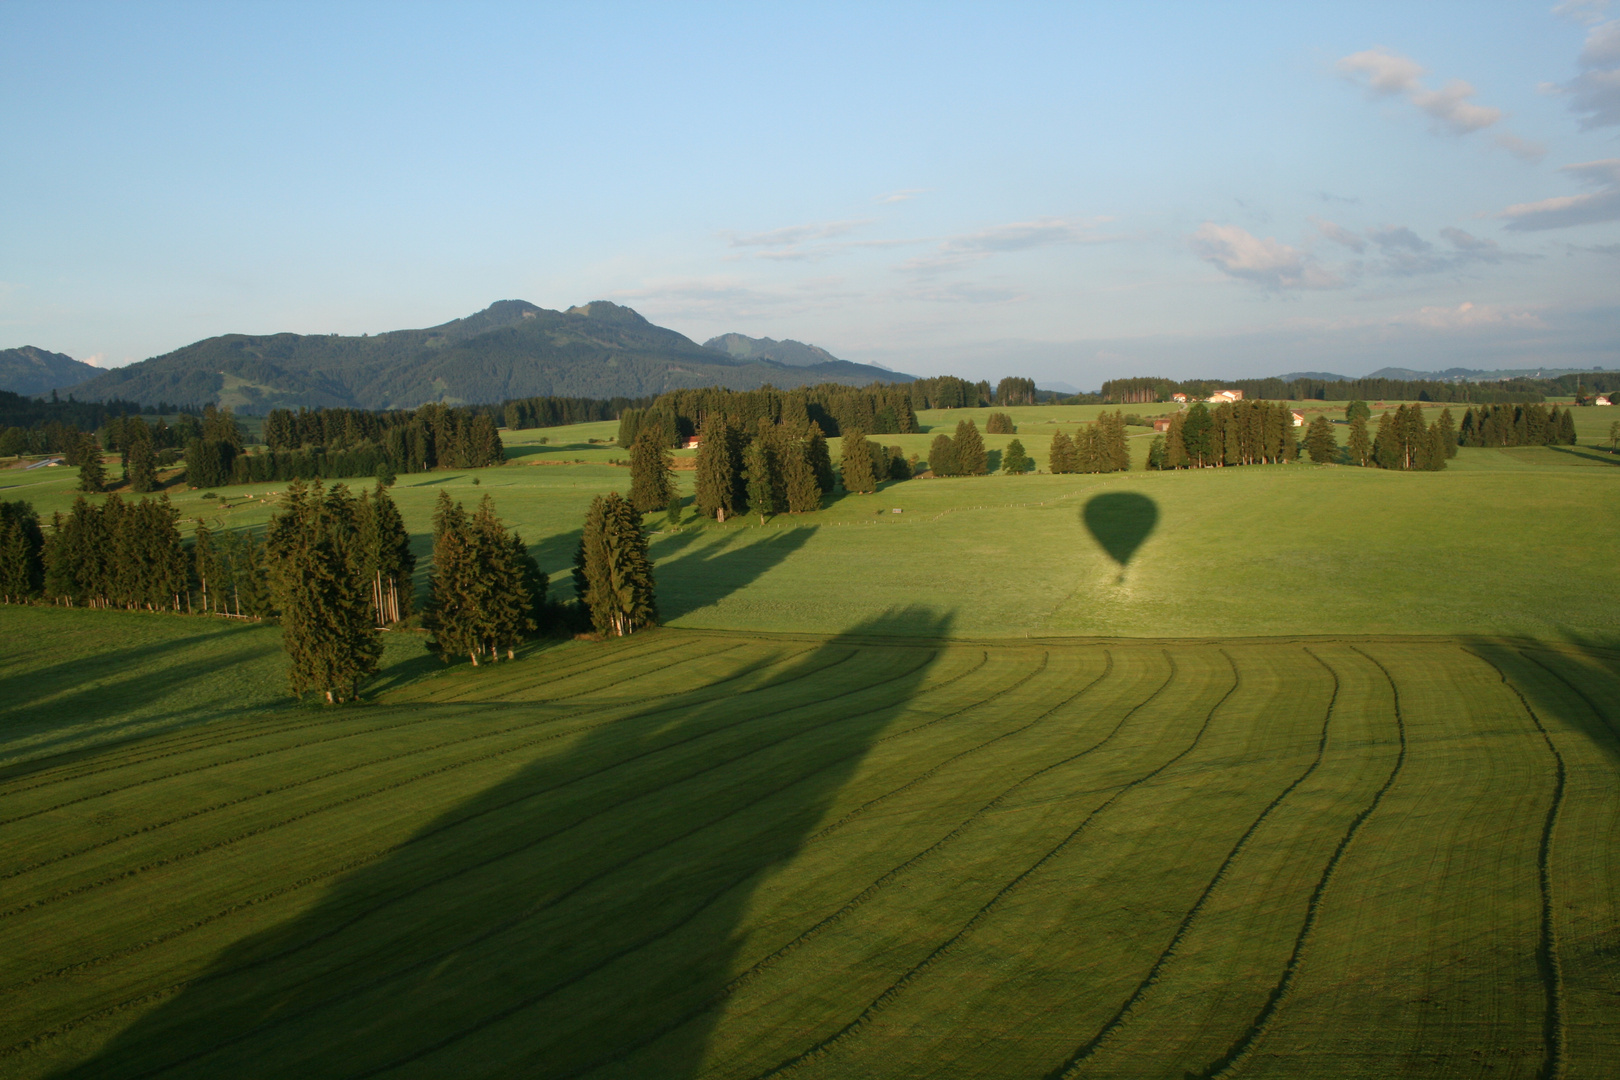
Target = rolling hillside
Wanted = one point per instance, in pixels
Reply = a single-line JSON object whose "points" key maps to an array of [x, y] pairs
{"points": [[510, 349], [31, 370]]}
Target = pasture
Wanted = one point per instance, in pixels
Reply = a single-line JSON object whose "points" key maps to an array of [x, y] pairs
{"points": [[893, 851]]}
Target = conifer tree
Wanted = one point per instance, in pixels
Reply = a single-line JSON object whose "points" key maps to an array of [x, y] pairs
{"points": [[650, 468], [1386, 448], [1157, 453], [1197, 435], [820, 458], [1355, 409], [999, 423], [616, 568], [942, 456], [386, 559], [674, 509], [757, 471], [92, 473], [142, 456], [1360, 445], [22, 544], [1566, 428], [1060, 459], [484, 443], [855, 463], [206, 566], [799, 478], [971, 457], [1014, 460], [717, 469], [321, 593], [1320, 441], [1448, 432], [1175, 447]]}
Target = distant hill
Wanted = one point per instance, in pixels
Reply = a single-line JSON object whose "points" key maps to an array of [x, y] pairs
{"points": [[30, 371], [510, 349], [792, 353], [1315, 376], [1477, 375]]}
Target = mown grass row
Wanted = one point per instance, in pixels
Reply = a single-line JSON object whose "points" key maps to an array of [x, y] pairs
{"points": [[693, 854]]}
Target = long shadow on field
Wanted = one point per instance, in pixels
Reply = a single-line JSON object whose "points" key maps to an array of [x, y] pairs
{"points": [[1120, 521], [580, 917], [702, 576], [1573, 686]]}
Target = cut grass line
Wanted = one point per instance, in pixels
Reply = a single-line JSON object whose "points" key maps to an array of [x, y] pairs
{"points": [[1085, 1051], [1547, 959], [754, 972], [489, 932], [917, 971], [246, 757], [1240, 1049], [395, 785], [1602, 716]]}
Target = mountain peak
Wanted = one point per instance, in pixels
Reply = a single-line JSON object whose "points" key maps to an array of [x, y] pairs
{"points": [[608, 311], [789, 352]]}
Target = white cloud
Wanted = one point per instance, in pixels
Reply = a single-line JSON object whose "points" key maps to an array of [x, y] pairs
{"points": [[1566, 210], [795, 234], [1398, 237], [1266, 262], [1339, 235], [1014, 236], [1389, 74], [1468, 316], [1584, 12], [902, 195], [1596, 90]]}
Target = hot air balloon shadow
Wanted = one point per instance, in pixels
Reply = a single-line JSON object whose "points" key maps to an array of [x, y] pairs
{"points": [[1120, 521]]}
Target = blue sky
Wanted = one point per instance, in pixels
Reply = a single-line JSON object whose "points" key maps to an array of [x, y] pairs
{"points": [[1065, 191]]}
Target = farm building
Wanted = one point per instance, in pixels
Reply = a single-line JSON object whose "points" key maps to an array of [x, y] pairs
{"points": [[1182, 398], [1299, 418], [1225, 395], [1602, 399], [1161, 423]]}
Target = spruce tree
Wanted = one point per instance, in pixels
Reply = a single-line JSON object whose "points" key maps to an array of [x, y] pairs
{"points": [[1014, 460], [1319, 440], [1387, 452], [1448, 432], [22, 545], [971, 458], [1060, 458], [673, 509], [855, 463], [757, 471], [650, 468], [717, 469], [616, 568], [1157, 453], [799, 478], [820, 458], [942, 456], [1198, 436], [142, 456], [1566, 428], [1357, 409], [1360, 445], [92, 473], [386, 559], [206, 566], [320, 592]]}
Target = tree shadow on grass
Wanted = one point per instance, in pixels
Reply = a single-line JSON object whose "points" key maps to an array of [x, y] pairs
{"points": [[703, 576], [1573, 684], [584, 912]]}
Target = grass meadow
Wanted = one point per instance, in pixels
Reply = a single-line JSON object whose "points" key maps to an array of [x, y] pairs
{"points": [[1296, 771]]}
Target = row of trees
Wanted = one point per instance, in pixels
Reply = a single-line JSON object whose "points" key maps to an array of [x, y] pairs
{"points": [[1144, 389], [770, 468], [960, 455], [354, 442], [613, 572], [52, 426], [541, 412], [486, 592], [1098, 447], [1232, 433], [999, 423], [863, 465], [881, 408], [1522, 424]]}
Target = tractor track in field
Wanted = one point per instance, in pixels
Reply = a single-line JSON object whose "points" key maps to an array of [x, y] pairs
{"points": [[505, 925], [201, 744], [1547, 959], [196, 737], [1240, 1048], [918, 970], [1118, 1020], [703, 905], [353, 767], [757, 969], [436, 771]]}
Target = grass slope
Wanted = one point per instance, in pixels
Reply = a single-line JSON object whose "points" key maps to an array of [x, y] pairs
{"points": [[694, 853]]}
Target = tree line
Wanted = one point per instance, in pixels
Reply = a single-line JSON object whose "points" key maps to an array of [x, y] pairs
{"points": [[1522, 424], [541, 412], [1145, 389], [881, 408], [39, 426], [1098, 447], [1233, 433]]}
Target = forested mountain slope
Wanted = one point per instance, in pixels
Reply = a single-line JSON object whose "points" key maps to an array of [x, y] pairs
{"points": [[30, 371], [510, 349]]}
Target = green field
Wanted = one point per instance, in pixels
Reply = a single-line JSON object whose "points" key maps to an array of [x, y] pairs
{"points": [[1291, 771], [693, 853]]}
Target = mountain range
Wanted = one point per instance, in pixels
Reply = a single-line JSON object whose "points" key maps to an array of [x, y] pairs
{"points": [[31, 371], [511, 349], [1448, 375]]}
